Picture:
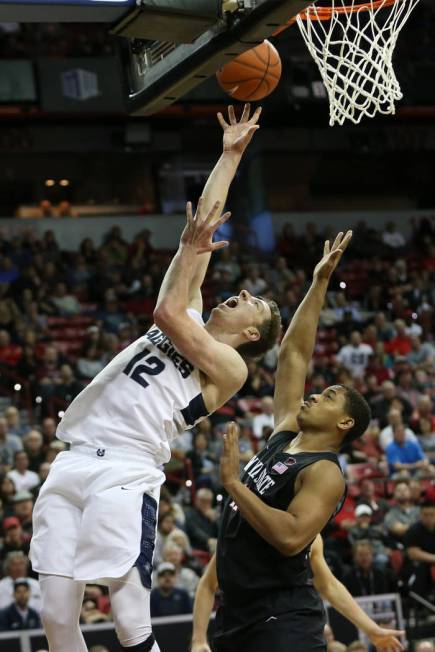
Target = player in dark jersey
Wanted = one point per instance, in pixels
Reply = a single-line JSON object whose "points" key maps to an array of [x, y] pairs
{"points": [[285, 497], [330, 589]]}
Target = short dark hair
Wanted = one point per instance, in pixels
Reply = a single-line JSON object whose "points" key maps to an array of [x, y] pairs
{"points": [[269, 331], [356, 407]]}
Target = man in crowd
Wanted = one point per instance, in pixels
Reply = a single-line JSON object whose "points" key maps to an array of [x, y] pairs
{"points": [[18, 615], [406, 457], [355, 356], [420, 549], [403, 514], [363, 578], [16, 566], [166, 599], [23, 479], [201, 522]]}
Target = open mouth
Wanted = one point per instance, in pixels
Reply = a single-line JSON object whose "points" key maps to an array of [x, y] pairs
{"points": [[232, 303]]}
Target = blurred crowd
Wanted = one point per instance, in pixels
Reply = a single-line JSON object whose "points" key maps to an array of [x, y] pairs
{"points": [[65, 314]]}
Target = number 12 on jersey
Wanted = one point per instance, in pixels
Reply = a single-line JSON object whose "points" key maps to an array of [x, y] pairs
{"points": [[151, 366]]}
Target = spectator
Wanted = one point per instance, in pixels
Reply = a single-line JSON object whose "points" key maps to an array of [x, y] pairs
{"points": [[394, 419], [23, 479], [424, 411], [400, 344], [7, 492], [13, 418], [420, 550], [201, 522], [403, 514], [66, 304], [10, 353], [264, 419], [406, 457], [426, 437], [90, 614], [90, 363], [166, 599], [364, 529], [357, 646], [15, 566], [23, 509], [355, 356], [392, 238], [425, 646], [14, 538], [9, 445], [33, 445], [67, 386], [389, 399], [364, 578], [185, 578], [203, 467], [368, 497], [421, 355], [48, 430], [165, 525], [253, 283], [19, 615]]}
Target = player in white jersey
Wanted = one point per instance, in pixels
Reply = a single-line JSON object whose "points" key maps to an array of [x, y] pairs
{"points": [[95, 517]]}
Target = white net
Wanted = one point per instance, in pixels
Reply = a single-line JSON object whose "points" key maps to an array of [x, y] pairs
{"points": [[354, 52]]}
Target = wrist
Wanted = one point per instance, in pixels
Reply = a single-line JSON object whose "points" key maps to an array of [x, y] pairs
{"points": [[232, 157], [232, 485]]}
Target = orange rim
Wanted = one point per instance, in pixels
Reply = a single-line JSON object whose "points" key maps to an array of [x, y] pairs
{"points": [[325, 13]]}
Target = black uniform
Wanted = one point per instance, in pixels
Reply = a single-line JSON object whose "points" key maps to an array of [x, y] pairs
{"points": [[268, 601]]}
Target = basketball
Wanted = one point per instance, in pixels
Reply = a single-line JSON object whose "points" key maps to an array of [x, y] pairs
{"points": [[252, 75]]}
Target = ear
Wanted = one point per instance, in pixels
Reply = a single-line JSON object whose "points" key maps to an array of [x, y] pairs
{"points": [[345, 424], [252, 334]]}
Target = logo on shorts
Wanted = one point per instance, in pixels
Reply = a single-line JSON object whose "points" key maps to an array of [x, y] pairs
{"points": [[101, 452]]}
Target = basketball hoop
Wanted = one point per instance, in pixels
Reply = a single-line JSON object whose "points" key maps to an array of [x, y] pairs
{"points": [[353, 42]]}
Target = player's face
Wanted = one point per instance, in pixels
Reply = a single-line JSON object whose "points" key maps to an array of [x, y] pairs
{"points": [[323, 411], [240, 312]]}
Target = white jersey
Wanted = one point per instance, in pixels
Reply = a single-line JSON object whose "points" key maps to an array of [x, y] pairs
{"points": [[147, 395]]}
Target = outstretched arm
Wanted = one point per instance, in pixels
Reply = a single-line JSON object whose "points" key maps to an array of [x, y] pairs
{"points": [[203, 606], [339, 597], [220, 363], [236, 138], [297, 345]]}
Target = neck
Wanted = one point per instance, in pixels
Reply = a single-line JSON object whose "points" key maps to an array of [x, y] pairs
{"points": [[219, 335], [313, 442]]}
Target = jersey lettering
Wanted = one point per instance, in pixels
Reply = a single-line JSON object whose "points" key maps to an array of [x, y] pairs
{"points": [[262, 480], [164, 344], [152, 367]]}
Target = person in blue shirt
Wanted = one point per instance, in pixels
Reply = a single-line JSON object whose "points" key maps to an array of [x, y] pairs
{"points": [[405, 455], [166, 599], [19, 615]]}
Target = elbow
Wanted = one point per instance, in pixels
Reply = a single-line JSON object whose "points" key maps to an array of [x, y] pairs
{"points": [[162, 315], [289, 548]]}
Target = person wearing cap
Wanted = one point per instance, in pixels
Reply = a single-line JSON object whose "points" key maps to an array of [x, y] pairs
{"points": [[363, 578], [14, 538], [23, 509], [166, 599], [18, 615], [16, 565], [364, 529]]}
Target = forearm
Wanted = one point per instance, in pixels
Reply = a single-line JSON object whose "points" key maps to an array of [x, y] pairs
{"points": [[202, 608], [301, 334], [343, 602], [216, 189], [417, 554], [175, 288], [273, 525]]}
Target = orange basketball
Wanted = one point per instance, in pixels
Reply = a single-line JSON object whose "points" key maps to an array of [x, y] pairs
{"points": [[253, 74]]}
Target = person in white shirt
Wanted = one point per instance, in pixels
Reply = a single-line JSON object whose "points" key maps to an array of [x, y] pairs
{"points": [[23, 479], [386, 434], [355, 356], [393, 238], [264, 419]]}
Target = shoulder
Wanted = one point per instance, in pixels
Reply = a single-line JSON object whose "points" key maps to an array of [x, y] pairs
{"points": [[325, 472]]}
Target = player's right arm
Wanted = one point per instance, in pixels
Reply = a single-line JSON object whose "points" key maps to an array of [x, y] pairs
{"points": [[297, 346], [334, 592], [203, 606], [223, 368]]}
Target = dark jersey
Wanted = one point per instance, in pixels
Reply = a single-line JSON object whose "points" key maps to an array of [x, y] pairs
{"points": [[256, 579]]}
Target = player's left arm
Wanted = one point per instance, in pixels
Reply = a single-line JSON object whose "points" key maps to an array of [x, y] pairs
{"points": [[334, 592], [322, 486], [236, 137], [297, 346], [203, 607]]}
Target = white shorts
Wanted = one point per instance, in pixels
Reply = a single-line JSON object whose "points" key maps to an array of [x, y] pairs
{"points": [[95, 516]]}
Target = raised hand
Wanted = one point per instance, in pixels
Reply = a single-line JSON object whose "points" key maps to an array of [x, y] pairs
{"points": [[200, 647], [199, 230], [238, 135], [230, 458], [332, 255]]}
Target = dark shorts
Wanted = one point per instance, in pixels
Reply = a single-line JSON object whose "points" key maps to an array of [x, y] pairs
{"points": [[287, 632]]}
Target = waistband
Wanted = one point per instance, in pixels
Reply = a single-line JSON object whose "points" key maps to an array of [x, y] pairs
{"points": [[112, 453]]}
